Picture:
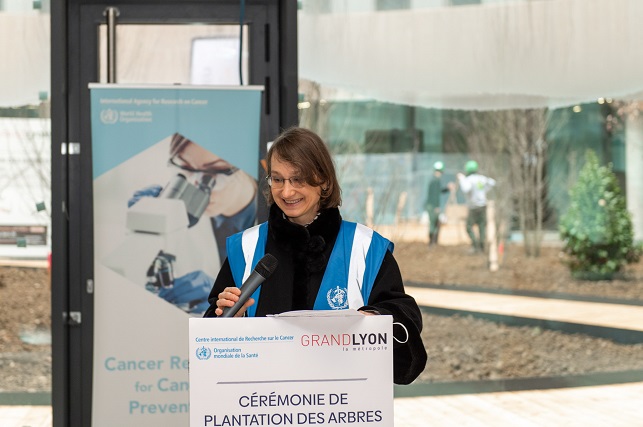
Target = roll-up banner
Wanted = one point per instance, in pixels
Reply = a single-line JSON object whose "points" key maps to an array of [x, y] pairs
{"points": [[174, 173]]}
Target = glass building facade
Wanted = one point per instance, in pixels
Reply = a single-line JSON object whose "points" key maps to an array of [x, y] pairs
{"points": [[388, 126]]}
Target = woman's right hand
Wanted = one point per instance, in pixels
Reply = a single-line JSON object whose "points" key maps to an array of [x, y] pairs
{"points": [[228, 297]]}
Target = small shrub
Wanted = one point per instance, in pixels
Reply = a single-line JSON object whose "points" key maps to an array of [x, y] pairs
{"points": [[597, 229]]}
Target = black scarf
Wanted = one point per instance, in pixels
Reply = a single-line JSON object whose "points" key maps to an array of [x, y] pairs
{"points": [[309, 247]]}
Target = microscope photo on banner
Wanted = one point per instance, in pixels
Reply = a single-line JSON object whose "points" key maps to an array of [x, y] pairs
{"points": [[175, 173]]}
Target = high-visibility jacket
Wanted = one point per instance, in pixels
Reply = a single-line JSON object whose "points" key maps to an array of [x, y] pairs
{"points": [[344, 285]]}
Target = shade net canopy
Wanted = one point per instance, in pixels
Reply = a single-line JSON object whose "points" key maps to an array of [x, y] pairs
{"points": [[496, 55], [493, 55]]}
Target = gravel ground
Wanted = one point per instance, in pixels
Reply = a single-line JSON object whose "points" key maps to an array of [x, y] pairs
{"points": [[27, 371], [452, 265], [459, 348], [25, 320], [468, 349]]}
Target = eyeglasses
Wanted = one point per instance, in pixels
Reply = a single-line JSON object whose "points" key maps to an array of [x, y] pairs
{"points": [[278, 183], [218, 167]]}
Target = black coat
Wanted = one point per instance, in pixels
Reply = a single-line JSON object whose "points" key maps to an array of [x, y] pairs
{"points": [[303, 253]]}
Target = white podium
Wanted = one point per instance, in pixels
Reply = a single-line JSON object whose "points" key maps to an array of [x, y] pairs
{"points": [[299, 368]]}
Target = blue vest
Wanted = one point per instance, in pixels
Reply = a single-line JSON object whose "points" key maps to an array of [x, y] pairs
{"points": [[352, 267]]}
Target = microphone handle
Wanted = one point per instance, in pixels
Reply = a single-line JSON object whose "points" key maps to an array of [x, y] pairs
{"points": [[247, 289]]}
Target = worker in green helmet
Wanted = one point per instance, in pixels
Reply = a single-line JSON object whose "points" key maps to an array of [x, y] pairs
{"points": [[475, 187]]}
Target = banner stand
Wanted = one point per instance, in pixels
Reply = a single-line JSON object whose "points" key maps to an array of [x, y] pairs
{"points": [[175, 172]]}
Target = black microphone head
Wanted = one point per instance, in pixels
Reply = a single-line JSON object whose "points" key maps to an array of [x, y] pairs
{"points": [[266, 266]]}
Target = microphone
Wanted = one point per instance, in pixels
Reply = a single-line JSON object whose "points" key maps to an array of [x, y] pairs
{"points": [[264, 269]]}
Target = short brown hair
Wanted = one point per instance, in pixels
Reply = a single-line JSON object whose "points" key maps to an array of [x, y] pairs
{"points": [[306, 151]]}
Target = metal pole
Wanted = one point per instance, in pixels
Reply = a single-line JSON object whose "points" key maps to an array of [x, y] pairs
{"points": [[111, 13]]}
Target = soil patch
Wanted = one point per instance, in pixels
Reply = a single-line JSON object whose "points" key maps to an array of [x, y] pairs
{"points": [[25, 324], [460, 348], [453, 265], [464, 348]]}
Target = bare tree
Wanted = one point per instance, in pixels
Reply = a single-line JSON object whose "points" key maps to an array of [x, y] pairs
{"points": [[527, 148], [511, 146]]}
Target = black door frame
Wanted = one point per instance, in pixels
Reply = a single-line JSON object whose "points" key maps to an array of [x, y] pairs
{"points": [[73, 35]]}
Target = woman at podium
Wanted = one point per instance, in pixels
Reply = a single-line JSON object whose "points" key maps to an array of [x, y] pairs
{"points": [[322, 262]]}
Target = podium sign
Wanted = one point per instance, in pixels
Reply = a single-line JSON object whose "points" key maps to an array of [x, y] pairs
{"points": [[301, 371]]}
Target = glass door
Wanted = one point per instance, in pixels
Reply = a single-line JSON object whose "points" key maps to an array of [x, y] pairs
{"points": [[165, 42]]}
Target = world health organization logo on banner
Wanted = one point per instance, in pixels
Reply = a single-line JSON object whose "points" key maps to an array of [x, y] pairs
{"points": [[109, 116], [337, 298], [203, 353]]}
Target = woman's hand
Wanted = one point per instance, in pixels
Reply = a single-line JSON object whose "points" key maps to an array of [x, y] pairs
{"points": [[228, 297]]}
